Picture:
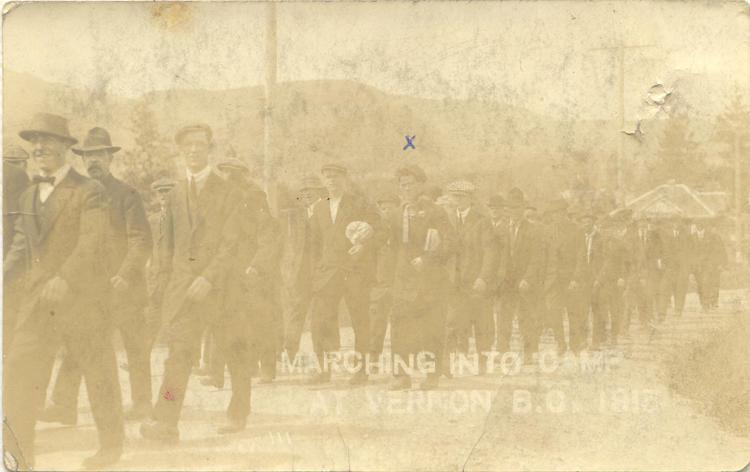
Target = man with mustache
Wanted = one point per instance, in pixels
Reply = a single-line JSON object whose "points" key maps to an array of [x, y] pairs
{"points": [[58, 248], [201, 236], [127, 246]]}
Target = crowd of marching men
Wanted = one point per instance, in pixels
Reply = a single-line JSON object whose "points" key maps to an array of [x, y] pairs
{"points": [[214, 274]]}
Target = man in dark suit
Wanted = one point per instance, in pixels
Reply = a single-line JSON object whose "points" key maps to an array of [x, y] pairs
{"points": [[128, 244], [564, 245], [58, 248], [344, 267], [249, 331], [425, 241], [522, 278], [472, 272], [296, 263], [202, 234], [677, 261], [710, 258], [645, 246]]}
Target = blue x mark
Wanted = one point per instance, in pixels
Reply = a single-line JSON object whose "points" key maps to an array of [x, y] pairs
{"points": [[410, 142]]}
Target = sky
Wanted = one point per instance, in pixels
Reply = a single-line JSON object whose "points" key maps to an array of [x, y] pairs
{"points": [[553, 58]]}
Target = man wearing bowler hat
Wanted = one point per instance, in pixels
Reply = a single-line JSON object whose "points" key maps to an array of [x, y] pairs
{"points": [[564, 244], [201, 238], [128, 245], [344, 264], [521, 285], [59, 247]]}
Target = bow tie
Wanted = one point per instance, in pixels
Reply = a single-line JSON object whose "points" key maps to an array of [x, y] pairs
{"points": [[38, 179]]}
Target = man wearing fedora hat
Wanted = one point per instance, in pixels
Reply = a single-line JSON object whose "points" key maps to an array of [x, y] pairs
{"points": [[59, 246], [128, 245], [564, 245], [201, 226], [342, 268], [522, 278]]}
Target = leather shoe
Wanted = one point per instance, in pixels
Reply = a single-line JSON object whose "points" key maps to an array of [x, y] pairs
{"points": [[57, 414], [231, 427], [212, 382], [158, 431], [103, 458]]}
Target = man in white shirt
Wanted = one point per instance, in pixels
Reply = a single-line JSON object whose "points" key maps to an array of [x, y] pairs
{"points": [[342, 268], [59, 245]]}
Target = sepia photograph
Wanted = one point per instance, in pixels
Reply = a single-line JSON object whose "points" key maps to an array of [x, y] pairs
{"points": [[376, 235]]}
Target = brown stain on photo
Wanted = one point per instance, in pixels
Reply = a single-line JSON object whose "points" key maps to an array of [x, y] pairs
{"points": [[172, 16]]}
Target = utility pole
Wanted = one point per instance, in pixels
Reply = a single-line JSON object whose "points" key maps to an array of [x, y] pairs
{"points": [[620, 51], [270, 161]]}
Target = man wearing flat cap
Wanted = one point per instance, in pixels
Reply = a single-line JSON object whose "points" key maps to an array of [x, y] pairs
{"points": [[201, 239], [564, 245], [296, 263], [424, 241], [128, 246], [472, 272], [344, 267], [59, 247], [521, 284]]}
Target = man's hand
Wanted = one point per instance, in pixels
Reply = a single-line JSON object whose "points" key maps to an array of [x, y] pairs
{"points": [[417, 263], [118, 283], [523, 285], [199, 289], [621, 283], [573, 285], [643, 282], [479, 285], [355, 249], [55, 290]]}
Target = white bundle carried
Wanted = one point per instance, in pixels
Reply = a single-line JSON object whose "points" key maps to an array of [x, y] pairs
{"points": [[358, 232], [432, 241]]}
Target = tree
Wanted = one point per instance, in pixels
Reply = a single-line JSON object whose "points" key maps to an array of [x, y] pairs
{"points": [[677, 157], [150, 158], [733, 131]]}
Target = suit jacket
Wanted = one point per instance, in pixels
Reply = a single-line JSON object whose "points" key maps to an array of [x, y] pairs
{"points": [[564, 245], [330, 245], [63, 236], [591, 265], [428, 285], [200, 240], [296, 265], [677, 254], [15, 182], [477, 253], [128, 242], [710, 251], [523, 259]]}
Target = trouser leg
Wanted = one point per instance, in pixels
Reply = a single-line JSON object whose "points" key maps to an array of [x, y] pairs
{"points": [[184, 334], [67, 384], [135, 339]]}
